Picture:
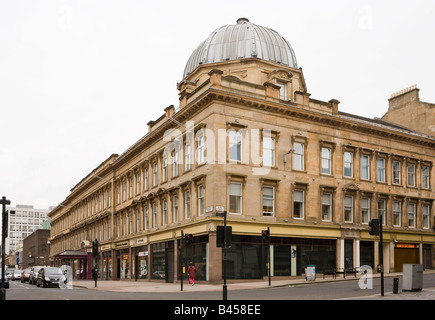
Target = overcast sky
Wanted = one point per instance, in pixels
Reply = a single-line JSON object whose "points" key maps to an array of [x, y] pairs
{"points": [[79, 80]]}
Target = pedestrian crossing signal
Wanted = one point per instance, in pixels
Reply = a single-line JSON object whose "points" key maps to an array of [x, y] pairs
{"points": [[265, 235], [188, 239]]}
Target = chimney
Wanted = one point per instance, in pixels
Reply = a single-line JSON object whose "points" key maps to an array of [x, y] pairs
{"points": [[404, 97]]}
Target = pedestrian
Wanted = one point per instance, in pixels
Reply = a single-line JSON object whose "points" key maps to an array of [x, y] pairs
{"points": [[191, 271]]}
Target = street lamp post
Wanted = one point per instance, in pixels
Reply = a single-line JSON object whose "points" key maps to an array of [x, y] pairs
{"points": [[3, 202], [220, 211]]}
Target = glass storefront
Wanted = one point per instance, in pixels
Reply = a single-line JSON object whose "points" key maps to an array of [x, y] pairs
{"points": [[198, 253], [247, 257]]}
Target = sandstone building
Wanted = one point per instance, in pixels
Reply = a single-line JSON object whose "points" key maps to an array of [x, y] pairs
{"points": [[247, 136], [406, 109]]}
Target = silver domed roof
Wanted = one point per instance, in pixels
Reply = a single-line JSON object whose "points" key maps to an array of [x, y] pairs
{"points": [[240, 41]]}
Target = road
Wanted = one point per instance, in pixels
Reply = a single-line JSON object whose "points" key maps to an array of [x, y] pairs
{"points": [[313, 291]]}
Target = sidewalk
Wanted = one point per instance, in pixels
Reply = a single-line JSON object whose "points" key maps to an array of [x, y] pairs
{"points": [[146, 286]]}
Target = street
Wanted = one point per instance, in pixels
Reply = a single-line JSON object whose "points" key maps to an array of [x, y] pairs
{"points": [[311, 291]]}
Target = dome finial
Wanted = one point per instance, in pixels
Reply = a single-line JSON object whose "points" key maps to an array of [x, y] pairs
{"points": [[242, 20]]}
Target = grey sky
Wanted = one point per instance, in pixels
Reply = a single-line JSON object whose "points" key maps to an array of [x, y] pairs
{"points": [[79, 80]]}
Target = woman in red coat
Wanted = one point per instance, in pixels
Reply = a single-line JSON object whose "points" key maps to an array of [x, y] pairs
{"points": [[191, 271]]}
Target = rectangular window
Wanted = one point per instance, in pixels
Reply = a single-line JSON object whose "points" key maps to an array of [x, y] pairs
{"points": [[348, 164], [201, 149], [146, 179], [124, 193], [298, 204], [298, 156], [175, 209], [130, 187], [365, 210], [187, 204], [348, 209], [326, 160], [201, 203], [235, 198], [425, 177], [154, 174], [268, 151], [137, 182], [187, 157], [381, 170], [175, 164], [282, 90], [145, 221], [235, 145], [137, 220], [397, 213], [154, 215], [365, 167], [411, 215], [165, 169], [164, 212], [411, 175], [130, 223], [382, 206], [396, 172], [268, 201], [326, 206], [426, 216]]}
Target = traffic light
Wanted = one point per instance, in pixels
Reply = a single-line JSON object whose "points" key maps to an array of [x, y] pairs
{"points": [[220, 236], [95, 247], [265, 235], [374, 225], [188, 239]]}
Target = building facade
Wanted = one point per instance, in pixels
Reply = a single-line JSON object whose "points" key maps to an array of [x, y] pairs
{"points": [[36, 249], [248, 138], [406, 109], [23, 220]]}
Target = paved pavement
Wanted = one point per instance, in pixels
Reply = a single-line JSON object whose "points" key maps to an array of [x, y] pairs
{"points": [[147, 286]]}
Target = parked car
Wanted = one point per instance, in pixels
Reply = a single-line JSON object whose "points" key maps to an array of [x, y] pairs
{"points": [[50, 276], [17, 275], [34, 274], [6, 280], [9, 273], [25, 276]]}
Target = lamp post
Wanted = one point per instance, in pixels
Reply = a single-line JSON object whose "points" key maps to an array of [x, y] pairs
{"points": [[220, 212], [4, 202]]}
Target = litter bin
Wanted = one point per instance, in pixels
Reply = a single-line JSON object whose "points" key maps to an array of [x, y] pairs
{"points": [[310, 272], [412, 277]]}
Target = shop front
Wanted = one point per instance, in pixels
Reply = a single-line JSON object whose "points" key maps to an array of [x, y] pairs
{"points": [[140, 262], [79, 261], [405, 253]]}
